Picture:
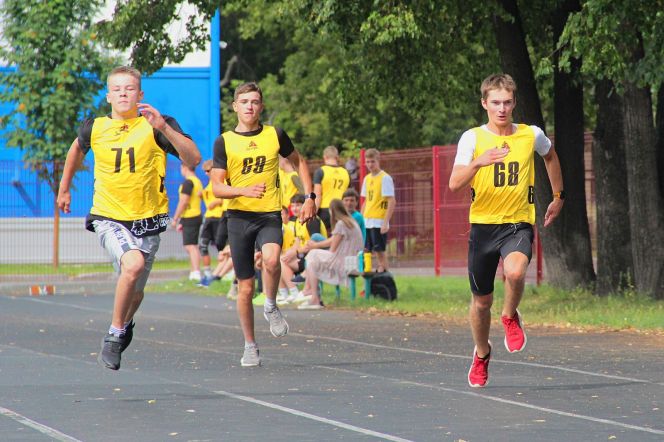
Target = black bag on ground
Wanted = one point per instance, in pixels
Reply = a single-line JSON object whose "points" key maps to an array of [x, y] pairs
{"points": [[383, 286]]}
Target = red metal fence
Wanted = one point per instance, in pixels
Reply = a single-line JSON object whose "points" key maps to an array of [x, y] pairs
{"points": [[429, 230]]}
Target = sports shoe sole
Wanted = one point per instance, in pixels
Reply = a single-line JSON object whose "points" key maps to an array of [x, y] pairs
{"points": [[249, 365], [525, 338]]}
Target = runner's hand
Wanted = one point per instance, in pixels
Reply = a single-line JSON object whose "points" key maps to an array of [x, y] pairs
{"points": [[152, 115], [64, 201], [553, 211], [308, 211], [255, 191], [492, 156]]}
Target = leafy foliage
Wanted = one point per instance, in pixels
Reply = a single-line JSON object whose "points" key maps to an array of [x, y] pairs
{"points": [[142, 26], [604, 32], [58, 63]]}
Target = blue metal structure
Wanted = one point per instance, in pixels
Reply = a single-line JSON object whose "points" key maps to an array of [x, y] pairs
{"points": [[190, 95]]}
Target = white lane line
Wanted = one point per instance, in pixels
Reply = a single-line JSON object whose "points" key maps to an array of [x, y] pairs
{"points": [[369, 344], [398, 381], [495, 399], [312, 417], [44, 429]]}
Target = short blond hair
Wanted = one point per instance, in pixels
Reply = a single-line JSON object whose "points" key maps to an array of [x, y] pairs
{"points": [[331, 152], [497, 81], [128, 70], [372, 153]]}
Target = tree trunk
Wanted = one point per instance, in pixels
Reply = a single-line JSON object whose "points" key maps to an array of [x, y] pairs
{"points": [[570, 234], [615, 267], [645, 200], [660, 137], [567, 263]]}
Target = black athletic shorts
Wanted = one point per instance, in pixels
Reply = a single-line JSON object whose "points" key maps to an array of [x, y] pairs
{"points": [[213, 230], [489, 242], [324, 215], [191, 227], [248, 231], [376, 241]]}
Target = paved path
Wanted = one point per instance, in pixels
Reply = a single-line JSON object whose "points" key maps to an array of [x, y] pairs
{"points": [[338, 375]]}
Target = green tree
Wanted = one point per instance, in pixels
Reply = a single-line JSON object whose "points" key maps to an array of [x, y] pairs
{"points": [[55, 78], [622, 43], [141, 26]]}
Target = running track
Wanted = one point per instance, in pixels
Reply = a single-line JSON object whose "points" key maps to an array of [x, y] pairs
{"points": [[338, 375]]}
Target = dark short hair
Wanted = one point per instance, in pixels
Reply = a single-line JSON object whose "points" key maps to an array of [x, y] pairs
{"points": [[251, 86], [298, 198], [351, 192]]}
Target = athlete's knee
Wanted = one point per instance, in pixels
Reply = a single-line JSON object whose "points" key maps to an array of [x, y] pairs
{"points": [[133, 264], [515, 275], [245, 289], [482, 303], [271, 263]]}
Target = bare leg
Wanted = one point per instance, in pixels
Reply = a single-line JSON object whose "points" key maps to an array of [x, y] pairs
{"points": [[245, 309], [132, 265], [480, 322], [194, 257], [312, 282], [515, 266], [271, 269], [226, 267], [135, 304], [288, 268]]}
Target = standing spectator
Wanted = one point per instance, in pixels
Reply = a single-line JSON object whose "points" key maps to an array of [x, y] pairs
{"points": [[330, 182], [353, 170], [246, 170], [188, 219], [378, 207], [214, 225], [289, 182], [351, 201], [129, 205], [497, 160], [328, 265]]}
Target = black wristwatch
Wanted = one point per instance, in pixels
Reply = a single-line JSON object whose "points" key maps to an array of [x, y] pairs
{"points": [[560, 195], [312, 196]]}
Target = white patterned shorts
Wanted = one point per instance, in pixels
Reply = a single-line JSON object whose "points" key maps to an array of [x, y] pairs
{"points": [[117, 240]]}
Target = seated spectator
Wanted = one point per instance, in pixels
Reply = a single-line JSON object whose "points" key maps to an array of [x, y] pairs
{"points": [[292, 258], [328, 265], [351, 202]]}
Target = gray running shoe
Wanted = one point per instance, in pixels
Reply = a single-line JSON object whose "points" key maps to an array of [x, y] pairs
{"points": [[250, 357], [111, 350], [278, 325]]}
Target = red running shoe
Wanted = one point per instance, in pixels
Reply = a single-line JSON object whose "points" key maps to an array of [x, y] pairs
{"points": [[515, 337], [478, 375]]}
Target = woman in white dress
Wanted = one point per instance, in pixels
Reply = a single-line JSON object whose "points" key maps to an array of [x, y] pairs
{"points": [[328, 265]]}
